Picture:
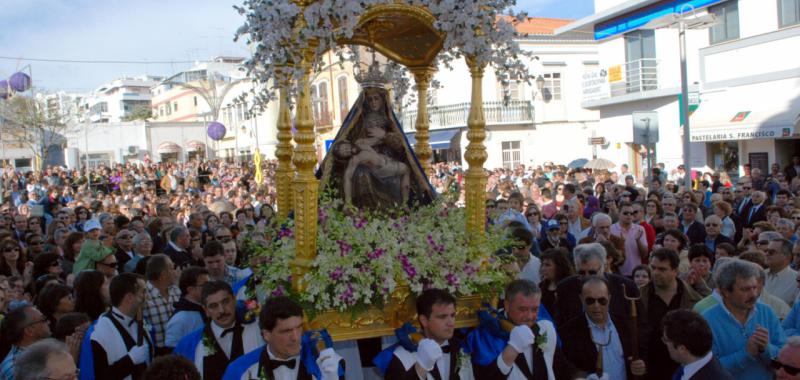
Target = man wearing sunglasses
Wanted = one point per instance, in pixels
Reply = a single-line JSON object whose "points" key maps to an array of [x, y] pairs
{"points": [[598, 331], [787, 364], [688, 340], [25, 326]]}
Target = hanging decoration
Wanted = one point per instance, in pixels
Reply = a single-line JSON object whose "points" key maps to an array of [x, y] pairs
{"points": [[216, 131], [19, 82]]}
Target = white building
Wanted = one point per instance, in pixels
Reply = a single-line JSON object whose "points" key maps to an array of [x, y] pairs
{"points": [[744, 80], [535, 126], [113, 101], [135, 142]]}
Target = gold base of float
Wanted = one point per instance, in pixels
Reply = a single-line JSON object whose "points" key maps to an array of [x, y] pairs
{"points": [[382, 321]]}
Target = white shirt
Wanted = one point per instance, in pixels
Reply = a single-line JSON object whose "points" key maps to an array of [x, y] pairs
{"points": [[690, 369], [782, 284], [284, 372], [531, 270]]}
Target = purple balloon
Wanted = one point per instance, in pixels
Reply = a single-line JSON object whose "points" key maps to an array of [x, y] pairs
{"points": [[3, 89], [216, 131], [19, 82]]}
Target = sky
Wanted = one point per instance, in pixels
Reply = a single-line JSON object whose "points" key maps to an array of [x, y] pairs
{"points": [[176, 31]]}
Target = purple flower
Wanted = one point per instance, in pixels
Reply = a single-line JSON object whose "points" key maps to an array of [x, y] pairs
{"points": [[374, 255], [363, 269], [337, 274], [278, 292], [470, 270], [409, 268], [285, 232], [322, 216], [347, 296], [451, 279], [344, 248], [360, 223]]}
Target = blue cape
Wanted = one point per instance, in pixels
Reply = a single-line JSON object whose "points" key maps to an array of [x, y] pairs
{"points": [[86, 359], [403, 333], [239, 284], [187, 346], [488, 340], [308, 356]]}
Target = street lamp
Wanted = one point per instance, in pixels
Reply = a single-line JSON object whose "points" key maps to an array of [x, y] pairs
{"points": [[683, 21]]}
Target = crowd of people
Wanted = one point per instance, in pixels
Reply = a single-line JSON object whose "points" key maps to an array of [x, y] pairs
{"points": [[140, 271]]}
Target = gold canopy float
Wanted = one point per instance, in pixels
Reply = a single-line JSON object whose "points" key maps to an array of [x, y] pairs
{"points": [[407, 35]]}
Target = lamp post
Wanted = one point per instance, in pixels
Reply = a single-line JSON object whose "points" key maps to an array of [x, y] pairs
{"points": [[686, 19]]}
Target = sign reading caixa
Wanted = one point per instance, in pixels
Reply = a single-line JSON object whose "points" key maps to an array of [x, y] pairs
{"points": [[741, 134]]}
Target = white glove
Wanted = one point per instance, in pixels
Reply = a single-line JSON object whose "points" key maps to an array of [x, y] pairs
{"points": [[593, 376], [428, 352], [139, 354], [328, 363], [521, 338]]}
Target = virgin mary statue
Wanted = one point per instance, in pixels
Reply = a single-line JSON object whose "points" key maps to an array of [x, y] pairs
{"points": [[370, 163]]}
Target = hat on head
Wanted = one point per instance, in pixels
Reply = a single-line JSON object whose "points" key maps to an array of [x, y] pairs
{"points": [[91, 224], [552, 224]]}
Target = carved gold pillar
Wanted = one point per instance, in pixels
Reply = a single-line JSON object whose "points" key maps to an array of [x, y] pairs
{"points": [[283, 151], [475, 156], [422, 148], [305, 184]]}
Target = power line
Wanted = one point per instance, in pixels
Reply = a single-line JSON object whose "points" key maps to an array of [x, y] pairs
{"points": [[95, 61]]}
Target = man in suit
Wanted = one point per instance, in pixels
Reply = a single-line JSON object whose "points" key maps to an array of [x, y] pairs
{"points": [[757, 212], [120, 347], [690, 227], [531, 352], [598, 331], [286, 355], [590, 260], [688, 339], [437, 354], [178, 247], [223, 339]]}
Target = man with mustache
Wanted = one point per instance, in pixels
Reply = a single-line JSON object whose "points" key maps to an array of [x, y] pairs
{"points": [[223, 339], [747, 334]]}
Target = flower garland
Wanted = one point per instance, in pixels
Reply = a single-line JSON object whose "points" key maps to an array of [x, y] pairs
{"points": [[474, 28], [362, 258]]}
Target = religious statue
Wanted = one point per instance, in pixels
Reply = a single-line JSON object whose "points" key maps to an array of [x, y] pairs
{"points": [[370, 163]]}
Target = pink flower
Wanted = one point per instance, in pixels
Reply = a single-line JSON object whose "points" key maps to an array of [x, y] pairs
{"points": [[374, 255], [344, 248], [337, 274]]}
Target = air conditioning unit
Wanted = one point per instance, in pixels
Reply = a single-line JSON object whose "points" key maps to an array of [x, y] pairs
{"points": [[133, 150]]}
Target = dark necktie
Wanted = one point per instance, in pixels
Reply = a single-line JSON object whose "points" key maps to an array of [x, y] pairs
{"points": [[678, 374], [227, 331], [274, 364], [446, 349]]}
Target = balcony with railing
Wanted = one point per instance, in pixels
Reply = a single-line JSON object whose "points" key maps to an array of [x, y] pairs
{"points": [[456, 115], [638, 76]]}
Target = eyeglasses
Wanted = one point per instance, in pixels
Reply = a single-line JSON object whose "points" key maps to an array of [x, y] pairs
{"points": [[11, 249], [532, 214], [36, 322], [628, 213], [55, 264], [712, 224], [224, 239], [563, 223], [121, 237], [746, 187], [776, 365], [37, 243], [587, 272], [590, 301], [762, 242]]}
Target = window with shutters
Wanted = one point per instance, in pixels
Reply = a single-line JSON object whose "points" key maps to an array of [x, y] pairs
{"points": [[512, 155]]}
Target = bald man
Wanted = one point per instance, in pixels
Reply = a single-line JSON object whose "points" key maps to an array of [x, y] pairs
{"points": [[787, 364]]}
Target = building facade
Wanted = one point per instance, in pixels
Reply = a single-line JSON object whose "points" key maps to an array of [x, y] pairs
{"points": [[742, 79], [113, 102], [536, 125]]}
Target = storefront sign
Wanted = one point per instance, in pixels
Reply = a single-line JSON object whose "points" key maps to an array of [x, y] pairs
{"points": [[595, 85], [740, 134]]}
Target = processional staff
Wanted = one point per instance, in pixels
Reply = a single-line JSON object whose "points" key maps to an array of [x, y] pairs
{"points": [[634, 327]]}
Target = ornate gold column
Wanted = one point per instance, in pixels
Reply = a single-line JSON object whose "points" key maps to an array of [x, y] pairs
{"points": [[422, 148], [475, 156], [283, 151], [305, 184]]}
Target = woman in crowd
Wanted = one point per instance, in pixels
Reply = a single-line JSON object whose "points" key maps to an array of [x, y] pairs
{"points": [[71, 248], [676, 241], [642, 275], [653, 213], [534, 217], [91, 293], [12, 259], [555, 267], [54, 301]]}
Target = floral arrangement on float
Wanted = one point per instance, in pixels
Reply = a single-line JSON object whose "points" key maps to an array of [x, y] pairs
{"points": [[362, 258], [281, 31]]}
